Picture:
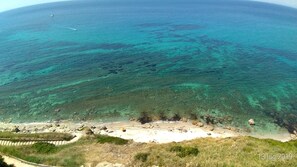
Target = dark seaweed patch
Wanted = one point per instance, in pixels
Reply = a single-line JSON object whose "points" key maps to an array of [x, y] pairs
{"points": [[113, 72], [213, 43], [114, 46], [288, 121], [150, 25], [286, 54], [151, 65], [126, 62], [184, 27], [183, 70]]}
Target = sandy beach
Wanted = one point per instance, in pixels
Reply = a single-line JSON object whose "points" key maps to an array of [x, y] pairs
{"points": [[156, 132]]}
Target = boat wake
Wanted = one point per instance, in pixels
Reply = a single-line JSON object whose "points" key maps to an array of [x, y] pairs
{"points": [[70, 28]]}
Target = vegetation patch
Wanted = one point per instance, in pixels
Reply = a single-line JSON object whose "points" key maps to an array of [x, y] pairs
{"points": [[67, 155], [110, 139], [141, 156], [184, 151], [44, 148]]}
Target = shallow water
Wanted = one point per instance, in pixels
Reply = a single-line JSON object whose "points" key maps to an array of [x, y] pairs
{"points": [[111, 60]]}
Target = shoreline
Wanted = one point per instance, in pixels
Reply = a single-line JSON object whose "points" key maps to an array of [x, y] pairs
{"points": [[153, 132]]}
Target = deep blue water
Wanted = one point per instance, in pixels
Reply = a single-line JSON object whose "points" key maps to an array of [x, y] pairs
{"points": [[111, 60]]}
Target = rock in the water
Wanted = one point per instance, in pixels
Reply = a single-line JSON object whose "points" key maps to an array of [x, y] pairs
{"points": [[251, 122]]}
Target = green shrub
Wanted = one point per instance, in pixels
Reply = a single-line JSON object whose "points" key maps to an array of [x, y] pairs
{"points": [[176, 149], [184, 151], [44, 148], [247, 149], [141, 156], [109, 139], [4, 164]]}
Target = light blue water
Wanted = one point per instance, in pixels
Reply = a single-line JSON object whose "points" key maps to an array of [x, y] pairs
{"points": [[111, 60]]}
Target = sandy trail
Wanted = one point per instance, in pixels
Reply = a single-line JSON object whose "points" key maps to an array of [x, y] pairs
{"points": [[16, 162]]}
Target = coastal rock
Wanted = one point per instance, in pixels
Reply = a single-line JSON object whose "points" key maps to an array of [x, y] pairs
{"points": [[293, 136], [88, 131], [103, 128], [209, 119], [200, 124], [251, 122], [123, 130], [195, 122], [81, 128], [211, 128], [108, 164], [49, 125], [183, 119], [24, 129], [234, 129], [15, 129], [132, 119]]}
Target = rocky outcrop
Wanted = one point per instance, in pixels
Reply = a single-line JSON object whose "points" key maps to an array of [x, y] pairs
{"points": [[251, 122], [108, 164]]}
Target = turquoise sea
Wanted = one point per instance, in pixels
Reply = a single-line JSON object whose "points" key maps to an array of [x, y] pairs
{"points": [[111, 60]]}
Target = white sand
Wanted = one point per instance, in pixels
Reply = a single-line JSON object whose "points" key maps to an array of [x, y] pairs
{"points": [[164, 132], [158, 132]]}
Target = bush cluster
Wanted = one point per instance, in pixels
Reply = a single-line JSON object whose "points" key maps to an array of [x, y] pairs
{"points": [[184, 151]]}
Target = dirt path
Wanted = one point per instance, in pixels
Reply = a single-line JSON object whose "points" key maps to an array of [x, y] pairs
{"points": [[57, 143], [16, 162]]}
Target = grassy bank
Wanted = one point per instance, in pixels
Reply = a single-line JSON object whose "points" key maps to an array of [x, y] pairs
{"points": [[239, 151]]}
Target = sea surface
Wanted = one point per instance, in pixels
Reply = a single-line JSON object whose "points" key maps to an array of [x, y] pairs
{"points": [[111, 60]]}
